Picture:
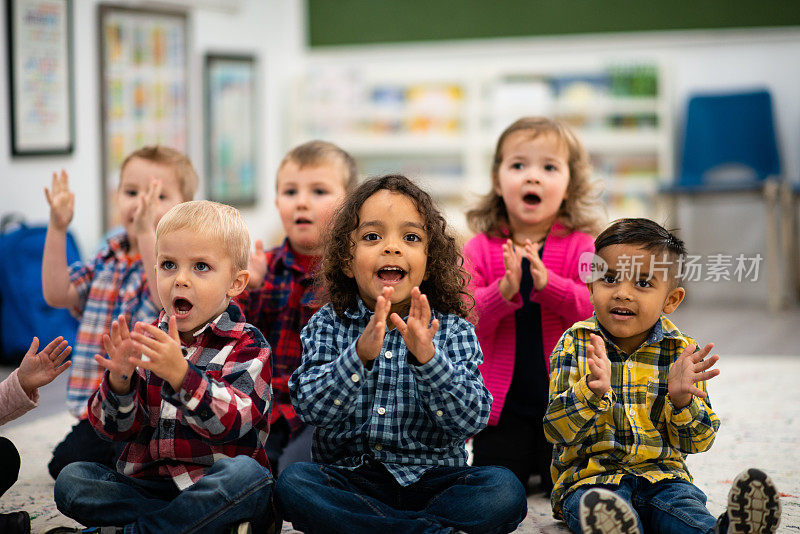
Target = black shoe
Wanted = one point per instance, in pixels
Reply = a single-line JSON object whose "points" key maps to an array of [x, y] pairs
{"points": [[89, 530], [15, 523], [754, 505], [604, 512]]}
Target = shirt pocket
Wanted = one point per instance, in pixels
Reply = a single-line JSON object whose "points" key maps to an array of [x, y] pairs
{"points": [[655, 400]]}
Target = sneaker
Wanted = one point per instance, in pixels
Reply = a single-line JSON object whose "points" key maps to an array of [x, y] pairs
{"points": [[754, 505], [605, 512], [15, 523], [89, 530]]}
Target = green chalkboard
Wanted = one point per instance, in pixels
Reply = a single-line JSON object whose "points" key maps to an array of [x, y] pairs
{"points": [[340, 22]]}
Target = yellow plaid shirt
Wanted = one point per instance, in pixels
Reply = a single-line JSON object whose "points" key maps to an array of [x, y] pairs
{"points": [[634, 429]]}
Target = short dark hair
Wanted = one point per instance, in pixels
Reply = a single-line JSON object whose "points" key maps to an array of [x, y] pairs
{"points": [[646, 234], [446, 281]]}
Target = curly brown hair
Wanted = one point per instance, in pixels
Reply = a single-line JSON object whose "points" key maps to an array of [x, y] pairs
{"points": [[581, 210], [446, 281]]}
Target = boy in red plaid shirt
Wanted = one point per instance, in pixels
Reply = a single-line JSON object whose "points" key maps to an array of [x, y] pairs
{"points": [[190, 396], [311, 183]]}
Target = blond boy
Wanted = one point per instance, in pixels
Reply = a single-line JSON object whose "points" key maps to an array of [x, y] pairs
{"points": [[190, 397], [113, 283], [311, 183]]}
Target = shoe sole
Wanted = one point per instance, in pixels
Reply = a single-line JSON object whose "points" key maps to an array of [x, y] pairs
{"points": [[754, 506], [604, 512]]}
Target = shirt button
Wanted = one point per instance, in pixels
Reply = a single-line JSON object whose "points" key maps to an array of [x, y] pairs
{"points": [[337, 402], [378, 447], [381, 410], [632, 411], [388, 354], [630, 364], [354, 377], [439, 413]]}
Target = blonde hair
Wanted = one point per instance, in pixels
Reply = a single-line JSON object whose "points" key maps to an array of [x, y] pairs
{"points": [[581, 210], [177, 160], [316, 153], [221, 222]]}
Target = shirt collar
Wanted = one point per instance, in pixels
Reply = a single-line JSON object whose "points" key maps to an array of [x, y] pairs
{"points": [[663, 329], [229, 323], [285, 257], [359, 311]]}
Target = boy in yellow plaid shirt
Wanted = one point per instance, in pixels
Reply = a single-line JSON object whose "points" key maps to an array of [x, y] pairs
{"points": [[628, 402]]}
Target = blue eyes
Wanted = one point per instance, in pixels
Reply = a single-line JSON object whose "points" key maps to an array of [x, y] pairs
{"points": [[201, 266], [167, 265]]}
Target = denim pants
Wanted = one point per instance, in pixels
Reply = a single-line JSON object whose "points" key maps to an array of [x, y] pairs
{"points": [[668, 506], [324, 498], [232, 490]]}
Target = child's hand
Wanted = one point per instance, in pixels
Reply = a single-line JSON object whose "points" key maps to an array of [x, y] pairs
{"points": [[144, 218], [164, 351], [119, 348], [61, 201], [37, 370], [416, 332], [599, 379], [512, 259], [257, 266], [369, 343], [686, 371], [538, 270]]}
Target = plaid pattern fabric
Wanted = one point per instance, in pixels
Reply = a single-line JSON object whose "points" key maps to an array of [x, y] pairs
{"points": [[409, 417], [112, 285], [280, 309], [221, 410], [634, 429]]}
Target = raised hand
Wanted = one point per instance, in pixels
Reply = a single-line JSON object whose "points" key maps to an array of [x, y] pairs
{"points": [[257, 265], [512, 259], [418, 332], [37, 370], [144, 217], [369, 343], [599, 378], [61, 201], [538, 270], [120, 347], [689, 369], [163, 352]]}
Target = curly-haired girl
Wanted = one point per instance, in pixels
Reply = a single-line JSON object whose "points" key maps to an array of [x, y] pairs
{"points": [[392, 408]]}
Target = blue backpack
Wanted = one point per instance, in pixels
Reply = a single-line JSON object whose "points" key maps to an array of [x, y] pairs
{"points": [[23, 310]]}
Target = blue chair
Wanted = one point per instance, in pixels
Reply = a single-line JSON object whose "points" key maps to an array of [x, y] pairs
{"points": [[729, 148]]}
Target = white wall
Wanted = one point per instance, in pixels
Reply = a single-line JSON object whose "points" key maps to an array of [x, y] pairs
{"points": [[272, 30]]}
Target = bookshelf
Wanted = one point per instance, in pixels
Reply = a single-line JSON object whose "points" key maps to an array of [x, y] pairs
{"points": [[440, 126]]}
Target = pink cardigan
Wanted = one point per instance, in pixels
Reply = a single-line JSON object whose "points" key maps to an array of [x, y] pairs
{"points": [[13, 400], [564, 301]]}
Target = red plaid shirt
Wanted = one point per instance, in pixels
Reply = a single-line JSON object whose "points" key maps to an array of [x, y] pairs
{"points": [[221, 410], [280, 309]]}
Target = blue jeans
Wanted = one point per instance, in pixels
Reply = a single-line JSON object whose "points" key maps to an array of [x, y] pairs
{"points": [[668, 506], [325, 498], [233, 490]]}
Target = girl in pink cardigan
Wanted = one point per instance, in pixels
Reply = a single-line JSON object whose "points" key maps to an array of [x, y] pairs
{"points": [[532, 228]]}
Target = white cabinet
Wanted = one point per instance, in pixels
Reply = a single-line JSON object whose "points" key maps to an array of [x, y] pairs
{"points": [[439, 125]]}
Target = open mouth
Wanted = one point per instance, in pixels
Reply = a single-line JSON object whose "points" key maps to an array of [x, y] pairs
{"points": [[302, 220], [622, 312], [391, 274], [181, 307], [532, 199]]}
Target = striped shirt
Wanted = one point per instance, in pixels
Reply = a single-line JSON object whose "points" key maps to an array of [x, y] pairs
{"points": [[280, 308], [113, 284], [221, 410], [634, 429], [410, 417]]}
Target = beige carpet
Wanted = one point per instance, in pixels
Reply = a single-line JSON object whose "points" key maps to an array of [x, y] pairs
{"points": [[756, 398]]}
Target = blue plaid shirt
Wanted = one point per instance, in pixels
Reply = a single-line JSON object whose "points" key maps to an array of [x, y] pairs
{"points": [[410, 417]]}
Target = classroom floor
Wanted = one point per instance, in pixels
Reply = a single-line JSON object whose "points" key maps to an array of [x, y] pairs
{"points": [[756, 397]]}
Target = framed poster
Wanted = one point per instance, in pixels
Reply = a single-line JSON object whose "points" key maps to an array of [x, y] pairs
{"points": [[143, 87], [230, 132], [40, 76]]}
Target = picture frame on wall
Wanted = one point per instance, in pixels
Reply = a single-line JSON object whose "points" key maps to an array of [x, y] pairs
{"points": [[231, 135], [144, 78], [40, 77]]}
